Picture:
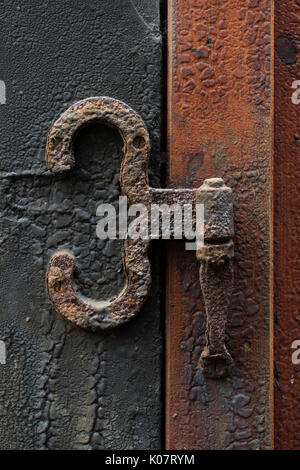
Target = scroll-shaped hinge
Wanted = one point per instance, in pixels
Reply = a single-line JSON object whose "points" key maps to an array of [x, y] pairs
{"points": [[216, 273]]}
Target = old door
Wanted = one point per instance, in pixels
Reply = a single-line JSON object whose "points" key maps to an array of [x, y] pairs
{"points": [[62, 387], [233, 112], [215, 83]]}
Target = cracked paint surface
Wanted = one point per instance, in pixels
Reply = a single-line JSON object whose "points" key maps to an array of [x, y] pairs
{"points": [[220, 125], [61, 387], [287, 225]]}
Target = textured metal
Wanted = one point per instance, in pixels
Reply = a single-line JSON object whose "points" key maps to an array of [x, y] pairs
{"points": [[134, 182], [100, 315], [220, 124], [216, 273], [287, 224], [216, 198], [62, 387]]}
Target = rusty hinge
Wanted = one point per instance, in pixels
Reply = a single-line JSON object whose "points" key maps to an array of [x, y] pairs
{"points": [[215, 255], [216, 272]]}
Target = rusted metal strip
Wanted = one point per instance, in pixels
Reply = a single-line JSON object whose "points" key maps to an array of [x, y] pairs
{"points": [[287, 225], [220, 125], [216, 273]]}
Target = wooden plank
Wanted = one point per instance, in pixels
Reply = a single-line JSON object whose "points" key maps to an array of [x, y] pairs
{"points": [[220, 119], [287, 225]]}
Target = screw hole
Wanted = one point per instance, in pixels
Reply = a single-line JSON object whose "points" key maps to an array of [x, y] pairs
{"points": [[139, 142]]}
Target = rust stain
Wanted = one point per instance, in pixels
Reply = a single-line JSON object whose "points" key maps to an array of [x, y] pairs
{"points": [[219, 101], [91, 314], [215, 196], [287, 227], [216, 273], [285, 50], [86, 313]]}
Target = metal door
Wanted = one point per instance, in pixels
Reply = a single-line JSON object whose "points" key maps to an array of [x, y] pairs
{"points": [[216, 84], [62, 387]]}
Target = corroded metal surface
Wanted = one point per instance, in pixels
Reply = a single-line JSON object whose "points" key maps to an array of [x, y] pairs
{"points": [[216, 273], [114, 113], [63, 387], [135, 185], [217, 284], [134, 182], [218, 230], [287, 224], [100, 315], [220, 125]]}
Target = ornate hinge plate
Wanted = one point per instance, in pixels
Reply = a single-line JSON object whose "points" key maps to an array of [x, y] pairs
{"points": [[215, 254]]}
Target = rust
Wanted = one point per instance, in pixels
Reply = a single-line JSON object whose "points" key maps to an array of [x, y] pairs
{"points": [[95, 315], [134, 181], [287, 229], [60, 159], [217, 284], [216, 273], [220, 113]]}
